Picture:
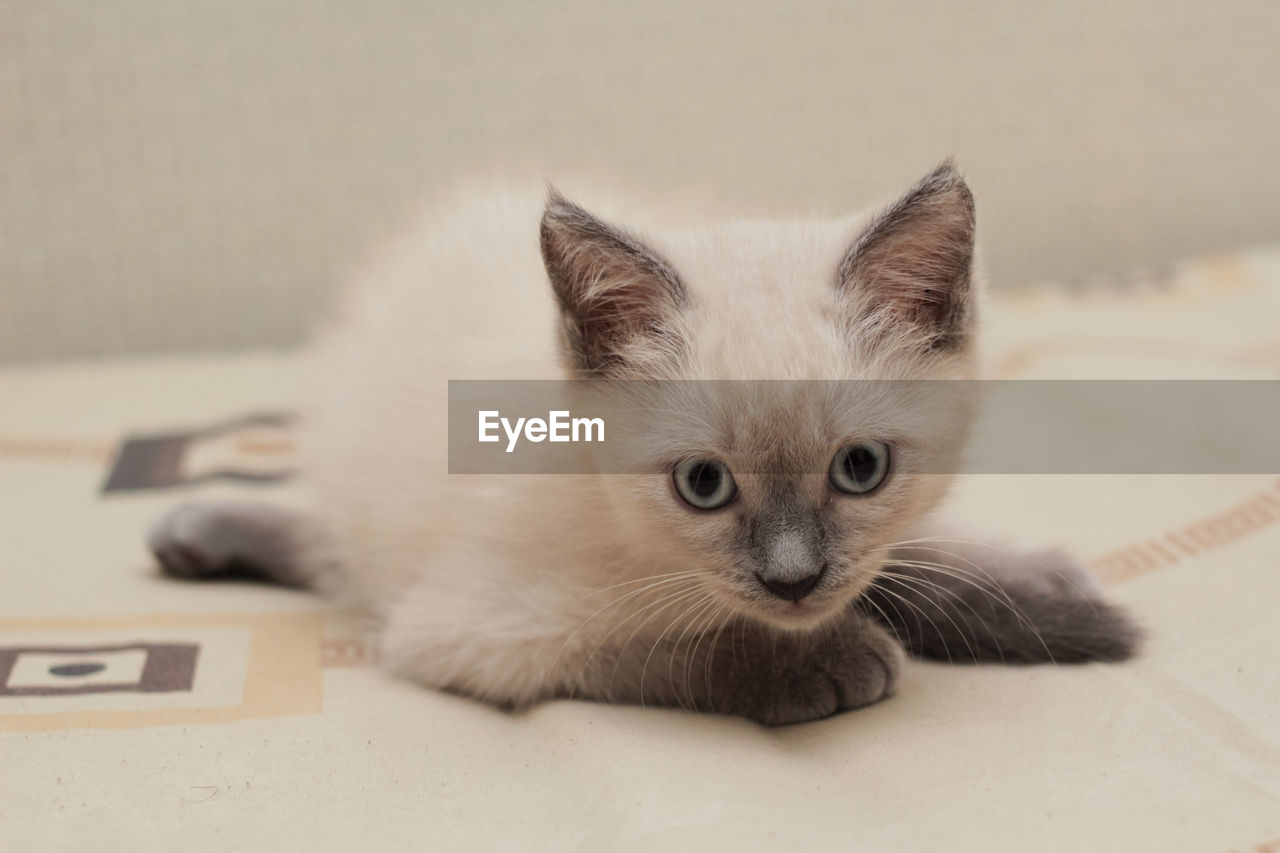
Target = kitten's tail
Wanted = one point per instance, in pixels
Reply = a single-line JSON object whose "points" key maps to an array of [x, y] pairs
{"points": [[237, 541], [1042, 608]]}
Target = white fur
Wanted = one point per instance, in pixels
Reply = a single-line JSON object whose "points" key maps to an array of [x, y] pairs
{"points": [[507, 588]]}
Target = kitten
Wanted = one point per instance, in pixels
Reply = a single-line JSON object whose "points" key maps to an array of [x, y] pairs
{"points": [[782, 596]]}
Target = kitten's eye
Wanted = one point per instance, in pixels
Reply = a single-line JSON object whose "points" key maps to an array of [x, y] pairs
{"points": [[860, 468], [704, 483]]}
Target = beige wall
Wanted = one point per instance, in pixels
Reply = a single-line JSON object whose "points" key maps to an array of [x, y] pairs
{"points": [[195, 174]]}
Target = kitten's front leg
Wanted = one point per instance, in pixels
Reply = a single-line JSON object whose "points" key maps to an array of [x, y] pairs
{"points": [[463, 644], [767, 675]]}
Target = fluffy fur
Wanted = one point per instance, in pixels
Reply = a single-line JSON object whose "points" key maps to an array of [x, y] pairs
{"points": [[522, 588]]}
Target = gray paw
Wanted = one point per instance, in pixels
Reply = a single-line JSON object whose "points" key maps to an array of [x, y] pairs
{"points": [[238, 541], [853, 673], [191, 542]]}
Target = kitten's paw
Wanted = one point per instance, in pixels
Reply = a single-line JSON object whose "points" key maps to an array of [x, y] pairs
{"points": [[189, 542], [237, 541], [849, 675]]}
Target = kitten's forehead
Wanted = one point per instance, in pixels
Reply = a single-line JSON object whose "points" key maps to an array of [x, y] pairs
{"points": [[766, 256], [761, 298]]}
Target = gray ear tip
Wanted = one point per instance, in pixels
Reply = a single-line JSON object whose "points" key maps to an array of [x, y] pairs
{"points": [[946, 182], [948, 168], [559, 208], [948, 176]]}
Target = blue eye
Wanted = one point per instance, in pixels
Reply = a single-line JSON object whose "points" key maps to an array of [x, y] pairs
{"points": [[704, 483], [860, 468]]}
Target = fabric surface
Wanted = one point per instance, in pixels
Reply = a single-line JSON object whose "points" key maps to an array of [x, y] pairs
{"points": [[141, 714], [196, 175]]}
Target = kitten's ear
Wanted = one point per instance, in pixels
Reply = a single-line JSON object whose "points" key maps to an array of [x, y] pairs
{"points": [[618, 297], [914, 263]]}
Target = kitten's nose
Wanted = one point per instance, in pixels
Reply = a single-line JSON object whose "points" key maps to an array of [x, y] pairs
{"points": [[792, 589]]}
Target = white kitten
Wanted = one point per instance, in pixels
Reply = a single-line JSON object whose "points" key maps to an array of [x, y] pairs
{"points": [[772, 567]]}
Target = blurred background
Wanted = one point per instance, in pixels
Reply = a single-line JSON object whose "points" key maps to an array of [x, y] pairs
{"points": [[196, 175]]}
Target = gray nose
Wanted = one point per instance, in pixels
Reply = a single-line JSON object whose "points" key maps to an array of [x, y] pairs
{"points": [[792, 589]]}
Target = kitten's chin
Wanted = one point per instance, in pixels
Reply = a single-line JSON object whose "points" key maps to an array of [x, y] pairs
{"points": [[799, 616]]}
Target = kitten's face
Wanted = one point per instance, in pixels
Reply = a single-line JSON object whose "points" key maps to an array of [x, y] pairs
{"points": [[782, 497], [785, 503]]}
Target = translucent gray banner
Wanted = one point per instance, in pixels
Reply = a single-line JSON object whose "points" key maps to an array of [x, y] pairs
{"points": [[933, 426]]}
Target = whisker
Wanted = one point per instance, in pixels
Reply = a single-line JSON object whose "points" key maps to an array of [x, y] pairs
{"points": [[666, 597], [666, 603], [711, 602], [1004, 599], [942, 568], [945, 648], [910, 579], [888, 621], [715, 642], [645, 668], [639, 625], [665, 581], [688, 573], [986, 574], [960, 631], [995, 546]]}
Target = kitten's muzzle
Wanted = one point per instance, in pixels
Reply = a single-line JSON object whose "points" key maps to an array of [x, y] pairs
{"points": [[792, 588]]}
